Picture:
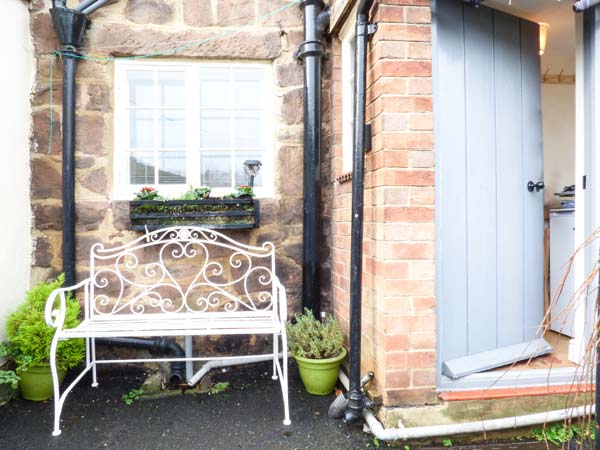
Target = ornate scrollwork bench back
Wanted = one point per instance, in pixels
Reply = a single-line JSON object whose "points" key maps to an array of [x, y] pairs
{"points": [[182, 270]]}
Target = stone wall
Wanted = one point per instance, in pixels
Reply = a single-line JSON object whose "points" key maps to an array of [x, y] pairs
{"points": [[134, 27], [398, 301]]}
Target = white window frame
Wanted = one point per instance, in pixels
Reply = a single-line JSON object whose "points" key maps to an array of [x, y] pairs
{"points": [[347, 37], [122, 189]]}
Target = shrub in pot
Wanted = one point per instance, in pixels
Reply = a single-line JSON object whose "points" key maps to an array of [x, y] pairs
{"points": [[29, 339], [318, 348]]}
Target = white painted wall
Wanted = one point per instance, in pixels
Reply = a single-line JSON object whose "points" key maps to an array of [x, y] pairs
{"points": [[558, 121], [15, 85]]}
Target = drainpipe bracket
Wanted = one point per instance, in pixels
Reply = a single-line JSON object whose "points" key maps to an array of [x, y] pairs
{"points": [[372, 28], [310, 48], [70, 26]]}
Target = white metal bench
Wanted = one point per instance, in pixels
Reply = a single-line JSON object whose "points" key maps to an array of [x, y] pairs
{"points": [[177, 281]]}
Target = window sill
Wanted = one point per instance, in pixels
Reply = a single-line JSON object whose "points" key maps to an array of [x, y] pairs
{"points": [[212, 213]]}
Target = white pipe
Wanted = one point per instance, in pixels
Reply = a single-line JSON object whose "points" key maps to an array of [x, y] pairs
{"points": [[401, 433], [189, 353], [214, 363], [396, 434]]}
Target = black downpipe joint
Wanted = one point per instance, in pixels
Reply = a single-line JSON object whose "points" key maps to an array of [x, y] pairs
{"points": [[158, 345], [316, 20], [355, 396], [70, 26]]}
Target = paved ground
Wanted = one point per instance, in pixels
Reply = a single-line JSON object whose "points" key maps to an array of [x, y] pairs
{"points": [[248, 417]]}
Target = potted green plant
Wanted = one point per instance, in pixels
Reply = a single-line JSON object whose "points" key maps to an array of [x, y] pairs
{"points": [[29, 339], [318, 348]]}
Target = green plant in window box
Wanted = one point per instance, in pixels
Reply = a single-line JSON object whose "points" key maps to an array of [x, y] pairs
{"points": [[243, 191], [318, 348], [151, 211], [29, 339]]}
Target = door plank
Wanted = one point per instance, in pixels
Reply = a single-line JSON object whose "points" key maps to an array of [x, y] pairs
{"points": [[509, 158], [532, 170], [481, 180], [451, 215]]}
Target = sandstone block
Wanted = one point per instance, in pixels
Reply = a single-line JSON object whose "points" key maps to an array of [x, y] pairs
{"points": [[292, 106], [41, 132], [89, 135], [42, 33], [46, 180], [149, 11], [98, 98], [96, 181], [198, 14], [47, 217], [241, 13], [125, 40], [42, 252], [291, 16], [120, 212], [289, 74], [90, 215]]}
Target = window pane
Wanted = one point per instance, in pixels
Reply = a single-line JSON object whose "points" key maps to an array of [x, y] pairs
{"points": [[214, 130], [248, 88], [172, 129], [171, 87], [214, 88], [216, 169], [141, 133], [141, 168], [140, 88], [171, 168], [240, 174], [247, 129]]}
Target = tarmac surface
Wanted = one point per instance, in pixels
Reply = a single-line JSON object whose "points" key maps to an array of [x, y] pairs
{"points": [[247, 416]]}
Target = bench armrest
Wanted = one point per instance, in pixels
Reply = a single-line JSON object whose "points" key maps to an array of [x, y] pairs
{"points": [[55, 317], [282, 297]]}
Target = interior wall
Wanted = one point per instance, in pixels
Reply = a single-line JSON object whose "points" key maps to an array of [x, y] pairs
{"points": [[15, 46], [558, 122]]}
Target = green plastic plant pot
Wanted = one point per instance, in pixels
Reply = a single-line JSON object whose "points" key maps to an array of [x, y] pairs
{"points": [[320, 375], [36, 382]]}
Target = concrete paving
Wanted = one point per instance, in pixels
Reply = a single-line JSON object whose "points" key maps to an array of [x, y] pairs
{"points": [[247, 416]]}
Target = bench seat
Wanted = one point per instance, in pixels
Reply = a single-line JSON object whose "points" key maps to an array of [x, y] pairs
{"points": [[177, 324]]}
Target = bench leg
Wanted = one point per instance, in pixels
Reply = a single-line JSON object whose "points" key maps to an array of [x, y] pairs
{"points": [[57, 402], [275, 355], [284, 380], [93, 352]]}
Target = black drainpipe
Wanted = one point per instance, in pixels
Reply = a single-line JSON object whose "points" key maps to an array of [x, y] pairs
{"points": [[316, 20], [355, 396], [154, 345], [70, 26]]}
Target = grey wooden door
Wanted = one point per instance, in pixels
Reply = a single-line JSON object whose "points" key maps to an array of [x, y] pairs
{"points": [[488, 147]]}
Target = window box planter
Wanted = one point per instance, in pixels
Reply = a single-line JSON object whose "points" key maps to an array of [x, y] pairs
{"points": [[214, 213]]}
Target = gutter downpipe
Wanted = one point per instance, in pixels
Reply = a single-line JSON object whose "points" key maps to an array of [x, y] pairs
{"points": [[70, 27], [355, 396], [311, 51]]}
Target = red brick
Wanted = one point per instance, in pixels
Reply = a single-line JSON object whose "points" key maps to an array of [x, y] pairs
{"points": [[422, 232], [421, 360], [403, 32], [422, 341], [423, 159], [410, 250], [421, 122], [397, 379], [423, 377], [390, 13], [423, 304], [418, 50], [419, 86], [395, 343], [409, 214], [422, 196], [418, 15]]}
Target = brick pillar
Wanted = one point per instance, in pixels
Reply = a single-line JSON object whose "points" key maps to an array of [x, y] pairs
{"points": [[399, 323]]}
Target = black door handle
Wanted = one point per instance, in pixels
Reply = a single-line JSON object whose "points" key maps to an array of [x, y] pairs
{"points": [[537, 186]]}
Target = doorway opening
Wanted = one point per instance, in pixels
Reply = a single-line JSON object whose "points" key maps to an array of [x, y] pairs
{"points": [[507, 218]]}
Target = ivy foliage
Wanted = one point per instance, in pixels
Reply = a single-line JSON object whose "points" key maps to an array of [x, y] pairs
{"points": [[313, 339], [29, 337]]}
